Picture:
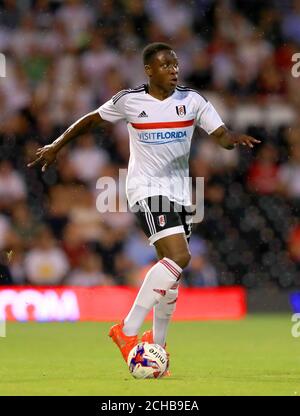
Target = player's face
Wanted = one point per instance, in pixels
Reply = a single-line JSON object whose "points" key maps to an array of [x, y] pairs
{"points": [[163, 70]]}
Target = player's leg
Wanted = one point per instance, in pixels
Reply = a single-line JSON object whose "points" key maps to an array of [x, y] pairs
{"points": [[158, 281], [160, 278], [165, 308], [164, 228], [163, 312]]}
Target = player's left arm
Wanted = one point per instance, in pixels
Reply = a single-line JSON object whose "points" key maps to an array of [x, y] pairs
{"points": [[229, 139]]}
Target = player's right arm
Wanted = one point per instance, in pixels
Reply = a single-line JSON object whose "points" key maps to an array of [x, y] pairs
{"points": [[46, 155]]}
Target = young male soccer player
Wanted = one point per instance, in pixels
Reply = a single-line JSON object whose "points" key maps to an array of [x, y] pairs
{"points": [[161, 117]]}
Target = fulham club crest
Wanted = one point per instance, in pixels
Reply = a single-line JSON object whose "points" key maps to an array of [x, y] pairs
{"points": [[161, 220], [180, 110]]}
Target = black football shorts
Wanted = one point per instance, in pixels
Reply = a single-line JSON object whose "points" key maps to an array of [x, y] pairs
{"points": [[160, 217]]}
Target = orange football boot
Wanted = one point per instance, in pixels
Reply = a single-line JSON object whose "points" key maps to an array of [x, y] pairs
{"points": [[148, 337], [124, 343]]}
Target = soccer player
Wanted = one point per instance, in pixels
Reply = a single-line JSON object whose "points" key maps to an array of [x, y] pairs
{"points": [[161, 117]]}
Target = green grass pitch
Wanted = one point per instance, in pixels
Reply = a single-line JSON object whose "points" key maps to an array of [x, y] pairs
{"points": [[254, 356]]}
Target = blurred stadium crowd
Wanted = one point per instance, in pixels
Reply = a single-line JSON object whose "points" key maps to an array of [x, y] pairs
{"points": [[65, 58]]}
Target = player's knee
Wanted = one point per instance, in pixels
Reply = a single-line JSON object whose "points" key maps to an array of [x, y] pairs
{"points": [[182, 259]]}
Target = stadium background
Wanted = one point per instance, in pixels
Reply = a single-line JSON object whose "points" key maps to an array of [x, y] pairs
{"points": [[65, 58]]}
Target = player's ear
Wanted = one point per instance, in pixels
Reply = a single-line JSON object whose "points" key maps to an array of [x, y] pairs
{"points": [[148, 70]]}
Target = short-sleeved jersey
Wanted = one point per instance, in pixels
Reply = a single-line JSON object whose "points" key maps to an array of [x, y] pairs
{"points": [[160, 133]]}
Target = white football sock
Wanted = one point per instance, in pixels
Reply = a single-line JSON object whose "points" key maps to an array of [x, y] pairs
{"points": [[163, 312], [159, 279]]}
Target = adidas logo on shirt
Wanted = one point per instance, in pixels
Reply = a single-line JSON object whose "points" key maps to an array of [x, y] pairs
{"points": [[143, 114]]}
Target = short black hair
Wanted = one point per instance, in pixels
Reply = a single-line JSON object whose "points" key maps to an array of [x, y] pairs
{"points": [[151, 49]]}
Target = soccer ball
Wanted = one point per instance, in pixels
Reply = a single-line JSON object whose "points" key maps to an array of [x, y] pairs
{"points": [[147, 360]]}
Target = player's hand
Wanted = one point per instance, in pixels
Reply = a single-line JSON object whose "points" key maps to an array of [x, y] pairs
{"points": [[245, 140], [45, 155]]}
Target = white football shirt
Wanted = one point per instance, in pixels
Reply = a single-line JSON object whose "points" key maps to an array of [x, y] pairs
{"points": [[160, 133]]}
